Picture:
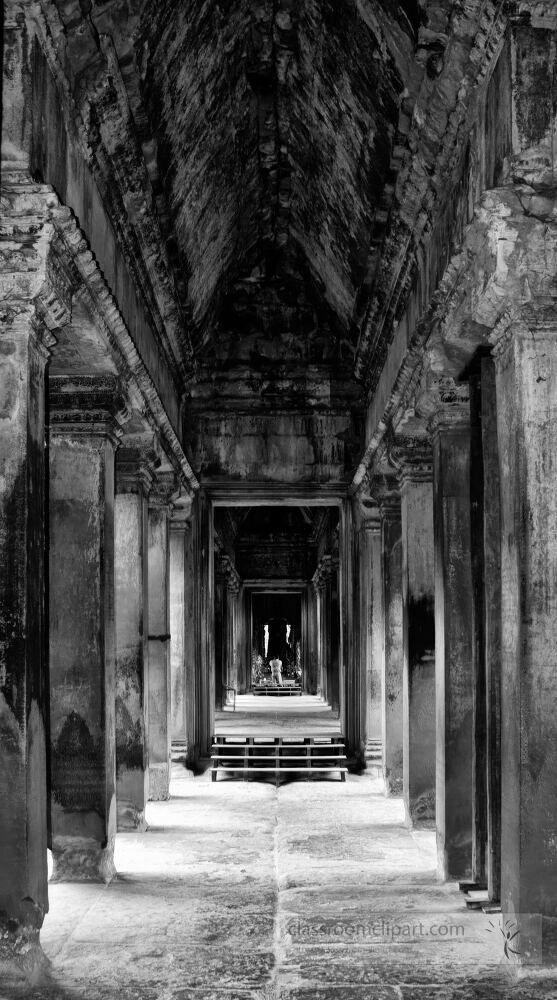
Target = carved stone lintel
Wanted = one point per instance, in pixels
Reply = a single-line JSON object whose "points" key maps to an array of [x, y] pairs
{"points": [[87, 406]]}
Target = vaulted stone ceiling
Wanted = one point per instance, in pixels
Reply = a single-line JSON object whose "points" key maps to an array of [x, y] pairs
{"points": [[277, 171], [275, 122]]}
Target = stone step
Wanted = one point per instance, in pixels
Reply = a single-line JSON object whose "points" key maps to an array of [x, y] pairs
{"points": [[248, 757], [322, 757]]}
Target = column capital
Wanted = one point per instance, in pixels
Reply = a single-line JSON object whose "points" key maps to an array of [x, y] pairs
{"points": [[88, 406], [520, 326], [367, 513], [136, 461], [450, 405], [36, 272], [412, 458], [166, 491], [386, 493], [180, 519]]}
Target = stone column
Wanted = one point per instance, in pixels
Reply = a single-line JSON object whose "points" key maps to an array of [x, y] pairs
{"points": [[190, 649], [83, 437], [418, 608], [374, 725], [221, 630], [332, 632], [180, 620], [479, 685], [526, 373], [158, 711], [450, 429], [350, 672], [492, 605], [23, 676], [33, 304], [134, 475], [203, 555], [391, 539], [232, 619], [320, 582], [370, 587]]}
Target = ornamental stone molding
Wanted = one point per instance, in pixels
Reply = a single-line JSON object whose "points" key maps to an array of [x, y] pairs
{"points": [[322, 574], [412, 459], [137, 459], [229, 574], [45, 265], [87, 406]]}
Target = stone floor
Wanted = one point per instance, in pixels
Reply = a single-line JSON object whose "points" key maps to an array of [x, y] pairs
{"points": [[238, 891], [273, 715]]}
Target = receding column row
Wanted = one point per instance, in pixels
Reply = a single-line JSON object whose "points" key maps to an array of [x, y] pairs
{"points": [[110, 692]]}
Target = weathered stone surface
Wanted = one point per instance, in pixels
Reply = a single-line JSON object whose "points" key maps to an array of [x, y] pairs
{"points": [[419, 644], [81, 648], [391, 538], [131, 610], [29, 308], [453, 639], [158, 712]]}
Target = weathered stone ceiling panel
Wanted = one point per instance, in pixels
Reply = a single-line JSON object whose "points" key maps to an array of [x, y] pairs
{"points": [[199, 100], [274, 122]]}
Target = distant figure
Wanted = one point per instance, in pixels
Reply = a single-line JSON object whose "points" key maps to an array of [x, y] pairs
{"points": [[276, 671]]}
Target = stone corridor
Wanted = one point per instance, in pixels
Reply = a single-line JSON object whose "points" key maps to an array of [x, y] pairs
{"points": [[240, 892]]}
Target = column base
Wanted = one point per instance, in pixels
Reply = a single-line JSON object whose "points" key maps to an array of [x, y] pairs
{"points": [[22, 960], [159, 782], [132, 788], [129, 817], [420, 811], [78, 859], [393, 782]]}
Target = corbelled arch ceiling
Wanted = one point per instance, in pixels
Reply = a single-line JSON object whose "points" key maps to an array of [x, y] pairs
{"points": [[275, 125], [275, 170]]}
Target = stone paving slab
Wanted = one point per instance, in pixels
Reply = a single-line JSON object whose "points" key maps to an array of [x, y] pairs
{"points": [[243, 892]]}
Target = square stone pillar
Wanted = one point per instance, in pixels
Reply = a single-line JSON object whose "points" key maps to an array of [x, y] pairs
{"points": [[23, 675], [221, 632], [371, 626], [492, 608], [202, 727], [36, 301], [180, 620], [134, 475], [418, 603], [454, 633], [83, 437], [352, 678], [391, 538], [321, 583], [526, 377], [191, 679], [158, 712], [374, 725], [232, 621]]}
